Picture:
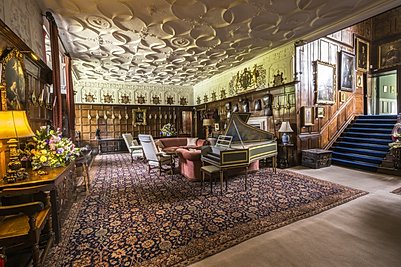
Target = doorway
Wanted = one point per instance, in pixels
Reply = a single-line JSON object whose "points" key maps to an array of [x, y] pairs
{"points": [[382, 94]]}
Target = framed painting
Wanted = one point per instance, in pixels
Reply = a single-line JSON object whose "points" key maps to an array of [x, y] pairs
{"points": [[347, 71], [14, 78], [320, 112], [307, 115], [139, 117], [324, 83], [390, 54], [216, 127], [359, 79], [362, 55]]}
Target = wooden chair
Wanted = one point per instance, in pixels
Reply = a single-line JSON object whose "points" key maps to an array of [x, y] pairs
{"points": [[21, 224], [154, 158], [82, 167]]}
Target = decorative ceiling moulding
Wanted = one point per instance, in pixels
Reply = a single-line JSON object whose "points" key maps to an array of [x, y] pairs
{"points": [[94, 92], [185, 42], [265, 71]]}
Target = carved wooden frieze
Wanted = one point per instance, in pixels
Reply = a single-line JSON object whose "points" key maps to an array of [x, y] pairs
{"points": [[129, 94]]}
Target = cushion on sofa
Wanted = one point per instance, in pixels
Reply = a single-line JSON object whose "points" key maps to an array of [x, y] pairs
{"points": [[192, 141]]}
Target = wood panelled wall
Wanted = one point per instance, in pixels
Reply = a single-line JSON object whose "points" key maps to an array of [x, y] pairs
{"points": [[386, 29], [114, 120], [346, 104]]}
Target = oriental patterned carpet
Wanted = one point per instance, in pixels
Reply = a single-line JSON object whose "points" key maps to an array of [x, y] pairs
{"points": [[131, 218]]}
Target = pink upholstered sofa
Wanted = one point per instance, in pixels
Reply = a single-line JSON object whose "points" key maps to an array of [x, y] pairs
{"points": [[190, 163], [172, 144]]}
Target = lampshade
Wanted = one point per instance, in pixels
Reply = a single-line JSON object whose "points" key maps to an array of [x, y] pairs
{"points": [[207, 122], [285, 127], [14, 124]]}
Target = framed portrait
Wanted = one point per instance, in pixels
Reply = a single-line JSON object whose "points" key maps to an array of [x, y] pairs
{"points": [[362, 55], [14, 78], [139, 116], [216, 127], [307, 115], [385, 88], [343, 97], [320, 112], [324, 83], [347, 71], [390, 54], [359, 79]]}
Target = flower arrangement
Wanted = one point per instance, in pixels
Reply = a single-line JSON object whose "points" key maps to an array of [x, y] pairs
{"points": [[396, 137], [52, 149], [168, 130]]}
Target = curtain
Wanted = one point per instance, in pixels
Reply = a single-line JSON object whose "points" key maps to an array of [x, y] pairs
{"points": [[70, 98], [54, 44]]}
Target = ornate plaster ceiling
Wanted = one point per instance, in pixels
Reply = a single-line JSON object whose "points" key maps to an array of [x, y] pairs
{"points": [[183, 42]]}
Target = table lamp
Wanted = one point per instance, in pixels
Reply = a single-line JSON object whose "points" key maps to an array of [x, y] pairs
{"points": [[285, 128], [207, 123], [14, 126]]}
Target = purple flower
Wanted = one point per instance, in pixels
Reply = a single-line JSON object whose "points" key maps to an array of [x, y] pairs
{"points": [[60, 150]]}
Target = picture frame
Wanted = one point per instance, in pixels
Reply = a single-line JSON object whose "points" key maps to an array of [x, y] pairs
{"points": [[347, 71], [362, 55], [343, 97], [216, 127], [3, 97], [324, 82], [307, 115], [359, 79], [389, 54], [385, 88], [139, 116], [13, 74], [320, 112]]}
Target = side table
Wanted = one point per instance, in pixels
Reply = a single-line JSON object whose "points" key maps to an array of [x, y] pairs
{"points": [[285, 154]]}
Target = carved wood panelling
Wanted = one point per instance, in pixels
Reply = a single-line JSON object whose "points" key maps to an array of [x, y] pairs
{"points": [[94, 92], [387, 25], [114, 120]]}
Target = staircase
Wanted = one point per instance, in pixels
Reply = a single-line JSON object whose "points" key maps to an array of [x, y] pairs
{"points": [[364, 143]]}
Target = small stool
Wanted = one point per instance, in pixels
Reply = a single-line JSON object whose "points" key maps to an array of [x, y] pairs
{"points": [[210, 170]]}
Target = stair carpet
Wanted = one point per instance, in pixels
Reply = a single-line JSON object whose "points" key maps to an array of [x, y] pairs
{"points": [[364, 143]]}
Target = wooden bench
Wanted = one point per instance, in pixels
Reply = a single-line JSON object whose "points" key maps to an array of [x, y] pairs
{"points": [[210, 170]]}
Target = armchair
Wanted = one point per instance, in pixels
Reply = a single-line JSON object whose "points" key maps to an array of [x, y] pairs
{"points": [[153, 157], [133, 147], [21, 224]]}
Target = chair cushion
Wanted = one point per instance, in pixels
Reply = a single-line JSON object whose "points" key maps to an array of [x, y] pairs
{"points": [[17, 225], [191, 141]]}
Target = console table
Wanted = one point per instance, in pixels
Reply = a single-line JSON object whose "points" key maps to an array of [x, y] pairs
{"points": [[108, 145], [62, 181]]}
